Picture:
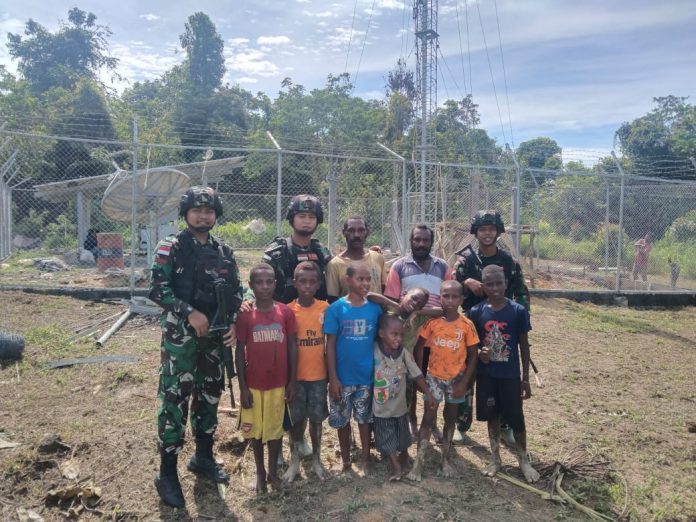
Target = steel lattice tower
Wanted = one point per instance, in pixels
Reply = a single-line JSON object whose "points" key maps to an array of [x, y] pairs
{"points": [[427, 45]]}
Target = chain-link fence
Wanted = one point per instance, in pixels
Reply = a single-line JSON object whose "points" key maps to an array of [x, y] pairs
{"points": [[566, 228]]}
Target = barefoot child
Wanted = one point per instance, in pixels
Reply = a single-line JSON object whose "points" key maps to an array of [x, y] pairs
{"points": [[502, 325], [453, 347], [350, 324], [310, 400], [266, 369], [393, 364], [412, 311]]}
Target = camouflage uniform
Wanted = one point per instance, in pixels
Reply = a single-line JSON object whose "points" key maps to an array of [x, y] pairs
{"points": [[182, 280], [470, 265], [283, 255]]}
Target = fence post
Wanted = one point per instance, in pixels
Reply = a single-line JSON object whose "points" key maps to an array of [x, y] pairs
{"points": [[516, 200], [619, 249], [134, 194], [279, 184], [332, 178], [606, 239], [404, 195]]}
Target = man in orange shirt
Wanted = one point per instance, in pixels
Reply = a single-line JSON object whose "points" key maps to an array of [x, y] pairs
{"points": [[310, 399], [453, 343]]}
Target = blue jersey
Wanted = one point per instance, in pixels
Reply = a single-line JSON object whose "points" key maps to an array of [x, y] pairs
{"points": [[355, 328], [500, 331]]}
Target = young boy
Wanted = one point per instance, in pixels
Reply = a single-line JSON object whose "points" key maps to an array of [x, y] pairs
{"points": [[412, 311], [453, 347], [350, 324], [310, 397], [502, 324], [392, 365], [266, 368]]}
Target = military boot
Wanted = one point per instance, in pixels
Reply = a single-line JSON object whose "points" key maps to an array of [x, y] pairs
{"points": [[204, 463], [167, 482]]}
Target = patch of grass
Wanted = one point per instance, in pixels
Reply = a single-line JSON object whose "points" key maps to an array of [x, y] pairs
{"points": [[595, 494], [124, 376], [615, 320]]}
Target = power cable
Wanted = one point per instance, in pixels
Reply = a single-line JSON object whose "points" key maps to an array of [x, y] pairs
{"points": [[350, 37], [490, 68], [502, 59], [367, 31], [461, 50], [468, 47]]}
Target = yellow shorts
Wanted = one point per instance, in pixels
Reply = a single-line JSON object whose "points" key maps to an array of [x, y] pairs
{"points": [[264, 420]]}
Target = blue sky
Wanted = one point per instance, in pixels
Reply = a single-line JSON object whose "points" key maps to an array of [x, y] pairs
{"points": [[575, 70]]}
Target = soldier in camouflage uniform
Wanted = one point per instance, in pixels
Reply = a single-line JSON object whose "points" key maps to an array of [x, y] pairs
{"points": [[304, 214], [487, 226], [186, 271]]}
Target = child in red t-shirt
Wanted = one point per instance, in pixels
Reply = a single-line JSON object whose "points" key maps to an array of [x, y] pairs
{"points": [[266, 367]]}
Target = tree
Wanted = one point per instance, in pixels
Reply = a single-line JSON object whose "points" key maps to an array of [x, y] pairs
{"points": [[539, 153], [401, 98], [665, 133], [205, 63], [77, 50], [457, 115]]}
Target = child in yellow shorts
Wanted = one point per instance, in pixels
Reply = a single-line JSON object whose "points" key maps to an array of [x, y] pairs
{"points": [[266, 368]]}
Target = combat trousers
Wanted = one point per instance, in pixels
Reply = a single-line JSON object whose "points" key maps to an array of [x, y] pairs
{"points": [[191, 370]]}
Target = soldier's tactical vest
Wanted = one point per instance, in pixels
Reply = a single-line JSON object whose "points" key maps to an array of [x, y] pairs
{"points": [[502, 258], [291, 256], [196, 270]]}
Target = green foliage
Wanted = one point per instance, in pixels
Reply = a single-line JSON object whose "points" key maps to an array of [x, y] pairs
{"points": [[574, 204], [77, 50], [664, 133], [590, 251], [237, 235], [61, 233], [539, 153], [666, 251], [601, 243], [205, 62], [683, 228], [32, 225]]}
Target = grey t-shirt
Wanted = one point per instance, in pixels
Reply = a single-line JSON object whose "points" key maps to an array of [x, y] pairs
{"points": [[389, 397]]}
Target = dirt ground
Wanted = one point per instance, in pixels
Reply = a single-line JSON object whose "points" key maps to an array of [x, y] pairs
{"points": [[618, 381]]}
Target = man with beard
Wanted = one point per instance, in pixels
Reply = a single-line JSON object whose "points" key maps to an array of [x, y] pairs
{"points": [[419, 269], [355, 231], [190, 271], [304, 214]]}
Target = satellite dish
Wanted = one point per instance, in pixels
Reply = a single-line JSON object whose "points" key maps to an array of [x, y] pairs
{"points": [[158, 192]]}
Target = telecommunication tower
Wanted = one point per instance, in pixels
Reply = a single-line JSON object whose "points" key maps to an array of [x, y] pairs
{"points": [[427, 45]]}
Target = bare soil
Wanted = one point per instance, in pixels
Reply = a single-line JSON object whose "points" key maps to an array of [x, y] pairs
{"points": [[617, 380]]}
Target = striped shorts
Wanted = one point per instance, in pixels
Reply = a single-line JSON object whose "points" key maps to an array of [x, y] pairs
{"points": [[392, 434]]}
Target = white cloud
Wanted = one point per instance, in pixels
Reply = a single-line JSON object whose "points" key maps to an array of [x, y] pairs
{"points": [[246, 79], [322, 14], [252, 62], [149, 17], [237, 42], [389, 4], [273, 40]]}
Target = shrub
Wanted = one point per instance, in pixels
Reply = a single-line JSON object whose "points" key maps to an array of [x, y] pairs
{"points": [[683, 228]]}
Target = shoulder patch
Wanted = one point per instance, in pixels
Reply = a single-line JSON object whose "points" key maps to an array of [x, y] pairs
{"points": [[162, 253]]}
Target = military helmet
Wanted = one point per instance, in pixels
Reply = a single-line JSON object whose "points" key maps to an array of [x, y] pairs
{"points": [[305, 203], [487, 217], [200, 197]]}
